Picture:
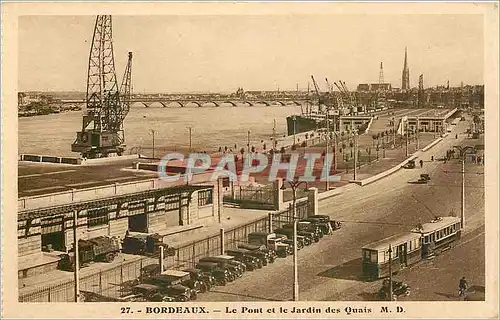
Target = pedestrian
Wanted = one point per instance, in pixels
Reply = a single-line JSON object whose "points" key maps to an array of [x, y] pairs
{"points": [[432, 158], [421, 163], [462, 286]]}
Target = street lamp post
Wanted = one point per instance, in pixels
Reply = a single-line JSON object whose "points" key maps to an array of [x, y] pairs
{"points": [[294, 129], [462, 151], [294, 185], [390, 272], [327, 183], [153, 134], [248, 141], [190, 136]]}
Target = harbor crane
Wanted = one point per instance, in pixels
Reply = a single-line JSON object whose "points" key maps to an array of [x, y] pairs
{"points": [[321, 101], [106, 105]]}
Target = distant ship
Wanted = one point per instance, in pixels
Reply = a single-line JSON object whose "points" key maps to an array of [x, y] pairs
{"points": [[310, 120]]}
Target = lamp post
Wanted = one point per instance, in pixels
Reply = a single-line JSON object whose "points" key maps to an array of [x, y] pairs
{"points": [[463, 151], [294, 129], [190, 136], [294, 185], [327, 183], [153, 132], [248, 141], [390, 272]]}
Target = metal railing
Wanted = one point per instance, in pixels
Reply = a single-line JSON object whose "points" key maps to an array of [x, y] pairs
{"points": [[117, 281]]}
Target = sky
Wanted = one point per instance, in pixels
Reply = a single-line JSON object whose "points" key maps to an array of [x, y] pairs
{"points": [[221, 53]]}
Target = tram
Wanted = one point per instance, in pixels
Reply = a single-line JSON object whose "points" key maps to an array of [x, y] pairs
{"points": [[410, 247]]}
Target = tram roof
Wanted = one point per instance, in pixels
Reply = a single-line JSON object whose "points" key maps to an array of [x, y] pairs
{"points": [[394, 240], [436, 224]]}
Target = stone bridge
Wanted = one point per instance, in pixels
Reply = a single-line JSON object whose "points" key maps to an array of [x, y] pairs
{"points": [[198, 102]]}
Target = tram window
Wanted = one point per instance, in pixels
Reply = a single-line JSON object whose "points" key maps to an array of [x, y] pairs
{"points": [[426, 239], [411, 242], [374, 256]]}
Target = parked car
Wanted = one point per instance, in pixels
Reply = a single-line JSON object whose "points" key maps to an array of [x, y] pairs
{"points": [[149, 292], [272, 242], [288, 229], [244, 256], [260, 251], [302, 240], [309, 227], [234, 269], [170, 278], [324, 226], [207, 279], [222, 275], [326, 219]]}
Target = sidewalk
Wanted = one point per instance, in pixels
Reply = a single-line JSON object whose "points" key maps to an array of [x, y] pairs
{"points": [[232, 217]]}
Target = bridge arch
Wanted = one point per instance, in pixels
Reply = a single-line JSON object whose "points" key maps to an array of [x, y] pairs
{"points": [[194, 102], [214, 103], [280, 103], [230, 102], [297, 103], [264, 103], [164, 105], [179, 103], [248, 103]]}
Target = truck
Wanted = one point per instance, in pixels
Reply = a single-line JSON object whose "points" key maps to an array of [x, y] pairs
{"points": [[145, 244], [96, 249]]}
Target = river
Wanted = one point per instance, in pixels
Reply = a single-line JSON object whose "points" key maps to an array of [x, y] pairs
{"points": [[212, 127]]}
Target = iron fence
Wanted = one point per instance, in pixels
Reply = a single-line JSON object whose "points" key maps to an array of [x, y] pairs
{"points": [[118, 281], [263, 195]]}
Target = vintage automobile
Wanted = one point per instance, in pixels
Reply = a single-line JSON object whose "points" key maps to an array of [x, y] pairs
{"points": [[300, 242], [145, 244], [324, 226], [169, 278], [268, 255], [222, 275], [91, 250], [207, 279], [310, 227], [399, 288], [312, 236], [425, 176], [272, 242], [236, 267], [150, 271], [409, 165], [180, 293], [244, 256], [287, 236], [149, 292], [326, 219]]}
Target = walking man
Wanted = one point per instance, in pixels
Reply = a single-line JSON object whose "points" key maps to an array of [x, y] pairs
{"points": [[462, 287], [421, 163]]}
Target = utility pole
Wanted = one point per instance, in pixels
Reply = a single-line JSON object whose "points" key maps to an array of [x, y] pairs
{"points": [[462, 211], [406, 129], [190, 141], [153, 134], [390, 272], [274, 135], [355, 154], [294, 129], [248, 141], [418, 134], [393, 132], [77, 258], [327, 183]]}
